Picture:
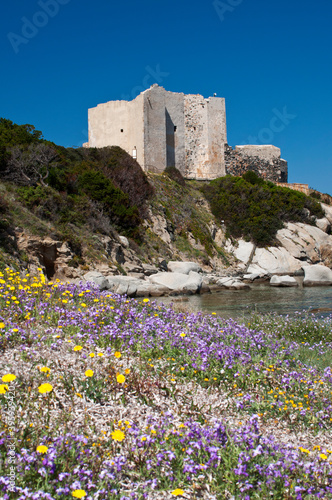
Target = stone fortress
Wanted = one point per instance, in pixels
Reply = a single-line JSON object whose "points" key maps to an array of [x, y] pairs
{"points": [[169, 129]]}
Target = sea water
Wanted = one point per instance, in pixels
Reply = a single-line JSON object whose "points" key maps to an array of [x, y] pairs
{"points": [[261, 298]]}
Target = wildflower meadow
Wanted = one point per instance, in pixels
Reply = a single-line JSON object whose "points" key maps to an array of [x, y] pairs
{"points": [[103, 397]]}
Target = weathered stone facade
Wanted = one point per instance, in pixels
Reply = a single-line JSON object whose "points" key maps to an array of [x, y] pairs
{"points": [[163, 129], [169, 129], [264, 160]]}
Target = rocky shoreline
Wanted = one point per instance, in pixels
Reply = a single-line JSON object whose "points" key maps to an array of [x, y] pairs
{"points": [[187, 278], [301, 250]]}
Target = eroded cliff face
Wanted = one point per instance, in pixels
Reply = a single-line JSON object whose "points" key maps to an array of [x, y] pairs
{"points": [[300, 245]]}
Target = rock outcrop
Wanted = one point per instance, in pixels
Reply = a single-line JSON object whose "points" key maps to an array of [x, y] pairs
{"points": [[317, 275], [178, 282], [283, 281], [183, 267], [298, 244]]}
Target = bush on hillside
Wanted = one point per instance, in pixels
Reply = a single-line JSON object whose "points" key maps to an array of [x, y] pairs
{"points": [[117, 205], [175, 174], [124, 172], [12, 134], [255, 210]]}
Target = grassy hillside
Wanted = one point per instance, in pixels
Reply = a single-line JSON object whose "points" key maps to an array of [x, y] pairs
{"points": [[80, 195]]}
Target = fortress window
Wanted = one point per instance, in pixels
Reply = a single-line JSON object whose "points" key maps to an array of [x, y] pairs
{"points": [[122, 130], [174, 128]]}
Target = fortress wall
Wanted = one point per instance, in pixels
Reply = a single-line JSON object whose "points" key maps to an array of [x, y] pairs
{"points": [[266, 162], [196, 136], [164, 129], [265, 152], [217, 137], [185, 131], [107, 120], [205, 136]]}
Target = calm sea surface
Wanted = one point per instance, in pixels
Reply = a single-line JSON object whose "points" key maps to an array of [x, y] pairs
{"points": [[261, 298]]}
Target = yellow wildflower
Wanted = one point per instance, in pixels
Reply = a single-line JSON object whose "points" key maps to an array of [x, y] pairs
{"points": [[42, 449], [9, 377], [120, 378], [78, 493], [45, 388], [177, 492], [45, 369], [118, 435]]}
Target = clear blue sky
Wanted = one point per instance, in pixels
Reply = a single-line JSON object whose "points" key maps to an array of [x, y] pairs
{"points": [[268, 58]]}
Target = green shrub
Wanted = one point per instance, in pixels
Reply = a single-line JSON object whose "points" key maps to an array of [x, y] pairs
{"points": [[174, 174], [12, 134], [255, 210], [116, 202]]}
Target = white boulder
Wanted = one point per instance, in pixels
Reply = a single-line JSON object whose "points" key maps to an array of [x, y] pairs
{"points": [[97, 278], [283, 281], [178, 282], [183, 267], [124, 241], [317, 275]]}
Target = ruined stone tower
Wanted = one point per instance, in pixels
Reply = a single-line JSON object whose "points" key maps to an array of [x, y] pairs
{"points": [[165, 129], [169, 129]]}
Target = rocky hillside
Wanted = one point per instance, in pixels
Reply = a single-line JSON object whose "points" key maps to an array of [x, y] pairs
{"points": [[74, 211]]}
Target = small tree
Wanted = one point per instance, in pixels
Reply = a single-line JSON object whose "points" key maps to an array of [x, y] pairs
{"points": [[30, 166]]}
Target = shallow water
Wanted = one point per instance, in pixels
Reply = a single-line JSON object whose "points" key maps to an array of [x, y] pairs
{"points": [[261, 298]]}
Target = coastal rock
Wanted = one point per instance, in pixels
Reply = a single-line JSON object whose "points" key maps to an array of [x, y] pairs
{"points": [[148, 269], [147, 289], [242, 250], [183, 267], [328, 212], [326, 254], [178, 282], [317, 275], [251, 277], [98, 279], [298, 243], [283, 281], [324, 224], [274, 260], [303, 241], [124, 284], [231, 283], [133, 268], [161, 228], [124, 241]]}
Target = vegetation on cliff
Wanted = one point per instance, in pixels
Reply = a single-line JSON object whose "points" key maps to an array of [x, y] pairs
{"points": [[74, 194], [255, 210]]}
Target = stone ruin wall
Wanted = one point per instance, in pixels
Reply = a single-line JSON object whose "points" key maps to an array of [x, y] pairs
{"points": [[186, 131], [265, 161], [205, 136], [118, 123], [164, 133]]}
